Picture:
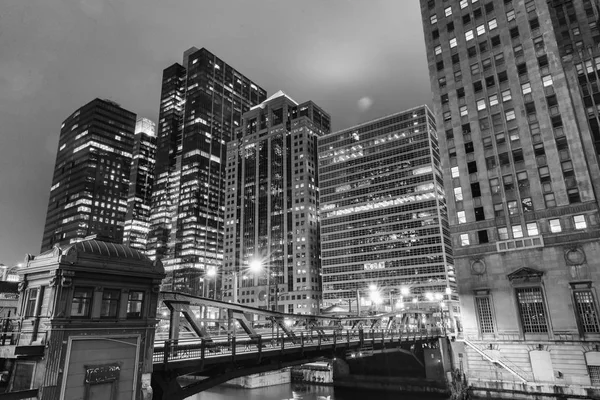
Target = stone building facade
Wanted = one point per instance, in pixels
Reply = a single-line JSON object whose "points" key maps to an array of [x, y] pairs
{"points": [[513, 85]]}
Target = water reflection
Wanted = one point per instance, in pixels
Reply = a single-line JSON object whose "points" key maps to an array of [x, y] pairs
{"points": [[302, 392]]}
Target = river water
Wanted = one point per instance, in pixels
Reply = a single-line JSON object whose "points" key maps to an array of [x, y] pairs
{"points": [[303, 392]]}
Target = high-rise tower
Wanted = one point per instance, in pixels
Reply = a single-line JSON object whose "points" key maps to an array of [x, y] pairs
{"points": [[137, 220], [515, 86], [271, 255], [91, 175], [202, 102], [384, 225]]}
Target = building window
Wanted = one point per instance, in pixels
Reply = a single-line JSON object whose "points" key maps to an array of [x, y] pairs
{"points": [[433, 19], [594, 371], [517, 231], [438, 50], [469, 35], [532, 310], [462, 219], [484, 313], [579, 221], [463, 111], [586, 311], [510, 115], [506, 96], [23, 375], [480, 30], [526, 88], [510, 16], [32, 295], [492, 24], [532, 229], [453, 43], [454, 171], [82, 302], [555, 226], [503, 233], [458, 196], [464, 239], [110, 303], [481, 104], [448, 11], [498, 210], [493, 100], [135, 304]]}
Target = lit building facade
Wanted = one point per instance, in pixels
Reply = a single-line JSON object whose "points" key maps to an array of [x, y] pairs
{"points": [[515, 90], [91, 175], [271, 257], [384, 224], [137, 220], [202, 102]]}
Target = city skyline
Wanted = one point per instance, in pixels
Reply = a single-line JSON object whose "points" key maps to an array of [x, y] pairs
{"points": [[54, 68]]}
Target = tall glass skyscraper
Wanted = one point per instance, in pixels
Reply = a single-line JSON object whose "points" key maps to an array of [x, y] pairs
{"points": [[385, 240], [271, 257], [137, 220], [516, 97], [91, 175], [202, 102]]}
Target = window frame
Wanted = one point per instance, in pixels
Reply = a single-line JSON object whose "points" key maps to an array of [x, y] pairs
{"points": [[88, 313]]}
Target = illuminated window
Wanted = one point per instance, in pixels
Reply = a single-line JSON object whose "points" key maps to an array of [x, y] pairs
{"points": [[469, 35], [448, 11], [453, 43], [481, 105], [458, 196], [510, 16], [526, 88], [506, 96], [517, 231], [455, 173], [438, 50], [532, 229], [462, 219], [480, 30], [493, 100], [463, 3], [492, 24], [555, 226], [579, 221], [433, 19], [503, 233], [464, 239], [463, 111], [547, 80], [510, 115]]}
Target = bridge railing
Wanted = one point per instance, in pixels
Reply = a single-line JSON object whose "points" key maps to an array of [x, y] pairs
{"points": [[201, 349]]}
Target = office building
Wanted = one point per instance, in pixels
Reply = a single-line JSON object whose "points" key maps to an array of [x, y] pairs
{"points": [[515, 85], [385, 242], [91, 175], [137, 220], [202, 102], [271, 257]]}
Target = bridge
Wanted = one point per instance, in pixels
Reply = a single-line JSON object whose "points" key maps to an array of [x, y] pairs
{"points": [[201, 342]]}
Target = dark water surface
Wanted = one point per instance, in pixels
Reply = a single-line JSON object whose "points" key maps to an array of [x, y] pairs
{"points": [[303, 392]]}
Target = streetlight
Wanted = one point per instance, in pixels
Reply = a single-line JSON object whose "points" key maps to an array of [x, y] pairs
{"points": [[256, 266], [211, 273]]}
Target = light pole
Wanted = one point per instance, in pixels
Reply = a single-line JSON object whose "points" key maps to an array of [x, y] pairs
{"points": [[211, 273], [256, 266]]}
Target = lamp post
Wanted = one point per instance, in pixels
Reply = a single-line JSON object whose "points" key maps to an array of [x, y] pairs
{"points": [[211, 273], [256, 266]]}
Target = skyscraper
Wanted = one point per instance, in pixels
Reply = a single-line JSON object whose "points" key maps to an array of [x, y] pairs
{"points": [[271, 257], [384, 224], [202, 102], [91, 175], [515, 87], [137, 220]]}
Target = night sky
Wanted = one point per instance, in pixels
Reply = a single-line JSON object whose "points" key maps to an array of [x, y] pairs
{"points": [[358, 59]]}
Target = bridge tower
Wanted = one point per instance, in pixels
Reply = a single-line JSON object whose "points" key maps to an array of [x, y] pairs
{"points": [[87, 316]]}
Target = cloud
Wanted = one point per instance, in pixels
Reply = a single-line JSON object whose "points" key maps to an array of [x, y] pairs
{"points": [[365, 103]]}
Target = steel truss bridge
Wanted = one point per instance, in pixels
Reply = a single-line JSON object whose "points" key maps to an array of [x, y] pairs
{"points": [[201, 342]]}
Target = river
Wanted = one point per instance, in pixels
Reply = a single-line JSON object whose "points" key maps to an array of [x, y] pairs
{"points": [[303, 392]]}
